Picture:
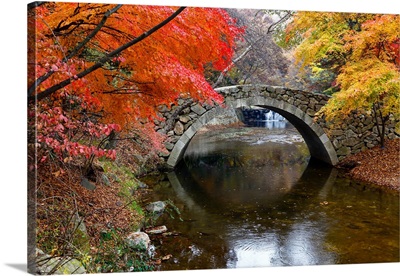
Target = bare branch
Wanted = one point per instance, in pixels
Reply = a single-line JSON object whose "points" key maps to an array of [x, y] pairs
{"points": [[221, 76], [281, 20]]}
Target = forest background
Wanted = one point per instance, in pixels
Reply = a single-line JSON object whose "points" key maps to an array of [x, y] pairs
{"points": [[13, 111]]}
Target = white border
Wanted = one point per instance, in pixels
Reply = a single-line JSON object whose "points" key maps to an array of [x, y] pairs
{"points": [[13, 128]]}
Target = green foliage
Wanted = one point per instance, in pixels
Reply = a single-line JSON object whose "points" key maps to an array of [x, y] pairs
{"points": [[172, 209], [113, 255]]}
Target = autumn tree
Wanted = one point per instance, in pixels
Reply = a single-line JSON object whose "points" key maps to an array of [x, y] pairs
{"points": [[359, 53], [97, 69]]}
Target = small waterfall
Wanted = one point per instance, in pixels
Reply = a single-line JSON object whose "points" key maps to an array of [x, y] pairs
{"points": [[274, 120], [263, 118], [273, 116]]}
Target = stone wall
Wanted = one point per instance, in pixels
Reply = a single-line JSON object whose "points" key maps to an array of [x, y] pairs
{"points": [[177, 119], [357, 133], [353, 135]]}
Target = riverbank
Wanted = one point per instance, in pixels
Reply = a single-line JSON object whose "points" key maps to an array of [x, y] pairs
{"points": [[378, 166], [88, 217]]}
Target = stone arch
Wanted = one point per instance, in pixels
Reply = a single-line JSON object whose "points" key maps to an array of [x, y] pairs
{"points": [[318, 143]]}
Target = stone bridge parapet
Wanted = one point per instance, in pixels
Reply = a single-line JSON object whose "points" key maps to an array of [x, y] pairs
{"points": [[327, 142], [310, 103]]}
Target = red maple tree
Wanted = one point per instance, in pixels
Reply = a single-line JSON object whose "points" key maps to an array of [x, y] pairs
{"points": [[96, 69]]}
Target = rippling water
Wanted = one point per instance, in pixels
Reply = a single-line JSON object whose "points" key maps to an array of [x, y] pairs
{"points": [[251, 197]]}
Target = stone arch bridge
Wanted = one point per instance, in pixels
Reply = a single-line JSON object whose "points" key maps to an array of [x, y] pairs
{"points": [[181, 122]]}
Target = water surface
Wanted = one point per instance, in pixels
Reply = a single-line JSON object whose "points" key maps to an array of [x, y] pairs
{"points": [[251, 197]]}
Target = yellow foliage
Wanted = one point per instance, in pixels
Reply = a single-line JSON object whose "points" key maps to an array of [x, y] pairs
{"points": [[363, 84], [363, 50]]}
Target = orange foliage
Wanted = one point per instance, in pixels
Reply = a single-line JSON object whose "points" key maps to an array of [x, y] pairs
{"points": [[166, 65], [65, 39]]}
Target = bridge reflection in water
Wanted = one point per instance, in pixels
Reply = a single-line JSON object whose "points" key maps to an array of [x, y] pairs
{"points": [[282, 209], [245, 199]]}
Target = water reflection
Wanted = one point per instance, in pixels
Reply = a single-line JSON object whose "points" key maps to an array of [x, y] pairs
{"points": [[268, 124], [234, 173], [248, 181], [299, 246], [250, 198], [264, 228]]}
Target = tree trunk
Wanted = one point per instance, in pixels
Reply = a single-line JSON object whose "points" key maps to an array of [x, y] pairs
{"points": [[380, 125]]}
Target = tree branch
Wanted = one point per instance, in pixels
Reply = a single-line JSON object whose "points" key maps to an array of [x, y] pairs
{"points": [[44, 77], [221, 76], [103, 60], [251, 46], [125, 91], [282, 19]]}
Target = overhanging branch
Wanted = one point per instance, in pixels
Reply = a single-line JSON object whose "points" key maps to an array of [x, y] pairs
{"points": [[103, 60], [44, 77]]}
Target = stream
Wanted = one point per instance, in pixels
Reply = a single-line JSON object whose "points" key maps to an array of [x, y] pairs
{"points": [[253, 197]]}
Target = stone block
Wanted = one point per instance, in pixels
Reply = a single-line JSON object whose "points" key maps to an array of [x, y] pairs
{"points": [[350, 142], [247, 88], [310, 112], [336, 132], [198, 109], [280, 90], [324, 139], [309, 121], [138, 241], [280, 104], [358, 146], [343, 151], [169, 146], [186, 111], [193, 115], [370, 145], [185, 138], [336, 144], [187, 125], [179, 128], [162, 108], [303, 108], [299, 113], [197, 125], [170, 133], [184, 119], [350, 133]]}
